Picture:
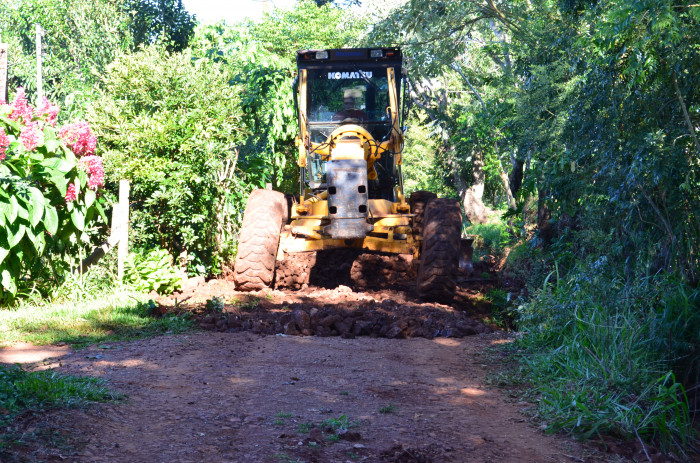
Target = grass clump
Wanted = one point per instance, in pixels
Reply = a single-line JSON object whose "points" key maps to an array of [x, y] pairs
{"points": [[22, 391], [613, 356], [111, 316], [391, 408], [305, 427]]}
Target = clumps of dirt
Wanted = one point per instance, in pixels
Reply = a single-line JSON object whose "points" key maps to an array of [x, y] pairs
{"points": [[387, 319], [348, 267], [340, 292], [400, 454]]}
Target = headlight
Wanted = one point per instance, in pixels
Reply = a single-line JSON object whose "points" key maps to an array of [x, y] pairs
{"points": [[322, 54]]}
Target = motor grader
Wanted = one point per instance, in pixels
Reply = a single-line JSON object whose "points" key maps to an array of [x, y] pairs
{"points": [[351, 193]]}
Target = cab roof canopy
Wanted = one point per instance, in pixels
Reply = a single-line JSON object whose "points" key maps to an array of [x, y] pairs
{"points": [[330, 56]]}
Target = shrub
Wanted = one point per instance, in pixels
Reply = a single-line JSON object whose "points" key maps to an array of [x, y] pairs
{"points": [[152, 271], [491, 238], [51, 183], [171, 124]]}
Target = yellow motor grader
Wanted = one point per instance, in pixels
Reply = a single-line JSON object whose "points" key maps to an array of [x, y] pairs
{"points": [[351, 190]]}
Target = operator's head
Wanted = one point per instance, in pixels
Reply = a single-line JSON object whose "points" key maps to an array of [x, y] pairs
{"points": [[350, 97]]}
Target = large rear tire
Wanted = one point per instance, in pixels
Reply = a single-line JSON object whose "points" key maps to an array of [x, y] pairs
{"points": [[263, 218], [440, 251], [418, 200]]}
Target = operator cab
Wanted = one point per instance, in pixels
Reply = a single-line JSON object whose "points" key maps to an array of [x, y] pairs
{"points": [[349, 86]]}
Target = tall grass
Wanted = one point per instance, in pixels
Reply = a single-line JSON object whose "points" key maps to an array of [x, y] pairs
{"points": [[611, 356], [490, 238]]}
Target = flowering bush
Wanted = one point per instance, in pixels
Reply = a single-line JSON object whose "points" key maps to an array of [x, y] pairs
{"points": [[50, 182]]}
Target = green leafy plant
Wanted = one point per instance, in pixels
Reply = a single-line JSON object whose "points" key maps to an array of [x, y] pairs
{"points": [[342, 423], [50, 192], [215, 304], [491, 238], [387, 409], [152, 271], [304, 428], [172, 124]]}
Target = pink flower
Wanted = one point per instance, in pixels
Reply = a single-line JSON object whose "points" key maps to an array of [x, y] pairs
{"points": [[51, 111], [20, 107], [4, 143], [93, 166], [71, 194], [30, 136], [79, 138]]}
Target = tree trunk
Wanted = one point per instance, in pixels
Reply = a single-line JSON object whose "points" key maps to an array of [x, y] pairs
{"points": [[543, 216], [472, 197], [516, 175], [506, 186]]}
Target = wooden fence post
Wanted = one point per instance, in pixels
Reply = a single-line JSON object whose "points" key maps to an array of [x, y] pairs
{"points": [[119, 234], [3, 71], [123, 233], [39, 83]]}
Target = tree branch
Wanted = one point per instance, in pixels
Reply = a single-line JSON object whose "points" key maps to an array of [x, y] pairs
{"points": [[458, 68], [686, 116]]}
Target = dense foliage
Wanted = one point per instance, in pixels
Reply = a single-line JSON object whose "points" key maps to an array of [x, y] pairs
{"points": [[50, 184], [164, 21], [80, 38], [172, 125], [588, 111]]}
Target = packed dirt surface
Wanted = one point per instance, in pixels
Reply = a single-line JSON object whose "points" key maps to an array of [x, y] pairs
{"points": [[241, 397], [327, 373]]}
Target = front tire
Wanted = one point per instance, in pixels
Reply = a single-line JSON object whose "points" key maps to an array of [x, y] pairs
{"points": [[440, 251], [254, 268]]}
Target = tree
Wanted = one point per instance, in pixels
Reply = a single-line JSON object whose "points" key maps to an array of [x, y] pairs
{"points": [[81, 38], [338, 3], [459, 69], [164, 21]]}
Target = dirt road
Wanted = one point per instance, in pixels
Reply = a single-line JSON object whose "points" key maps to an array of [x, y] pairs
{"points": [[241, 397], [328, 374]]}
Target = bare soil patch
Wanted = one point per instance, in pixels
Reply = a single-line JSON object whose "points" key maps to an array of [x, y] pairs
{"points": [[23, 353]]}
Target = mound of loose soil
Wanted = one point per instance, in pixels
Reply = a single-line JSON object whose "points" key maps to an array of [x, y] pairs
{"points": [[344, 292], [348, 267], [387, 319]]}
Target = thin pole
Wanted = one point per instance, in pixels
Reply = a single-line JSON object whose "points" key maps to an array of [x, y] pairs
{"points": [[39, 85], [123, 246], [3, 72]]}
